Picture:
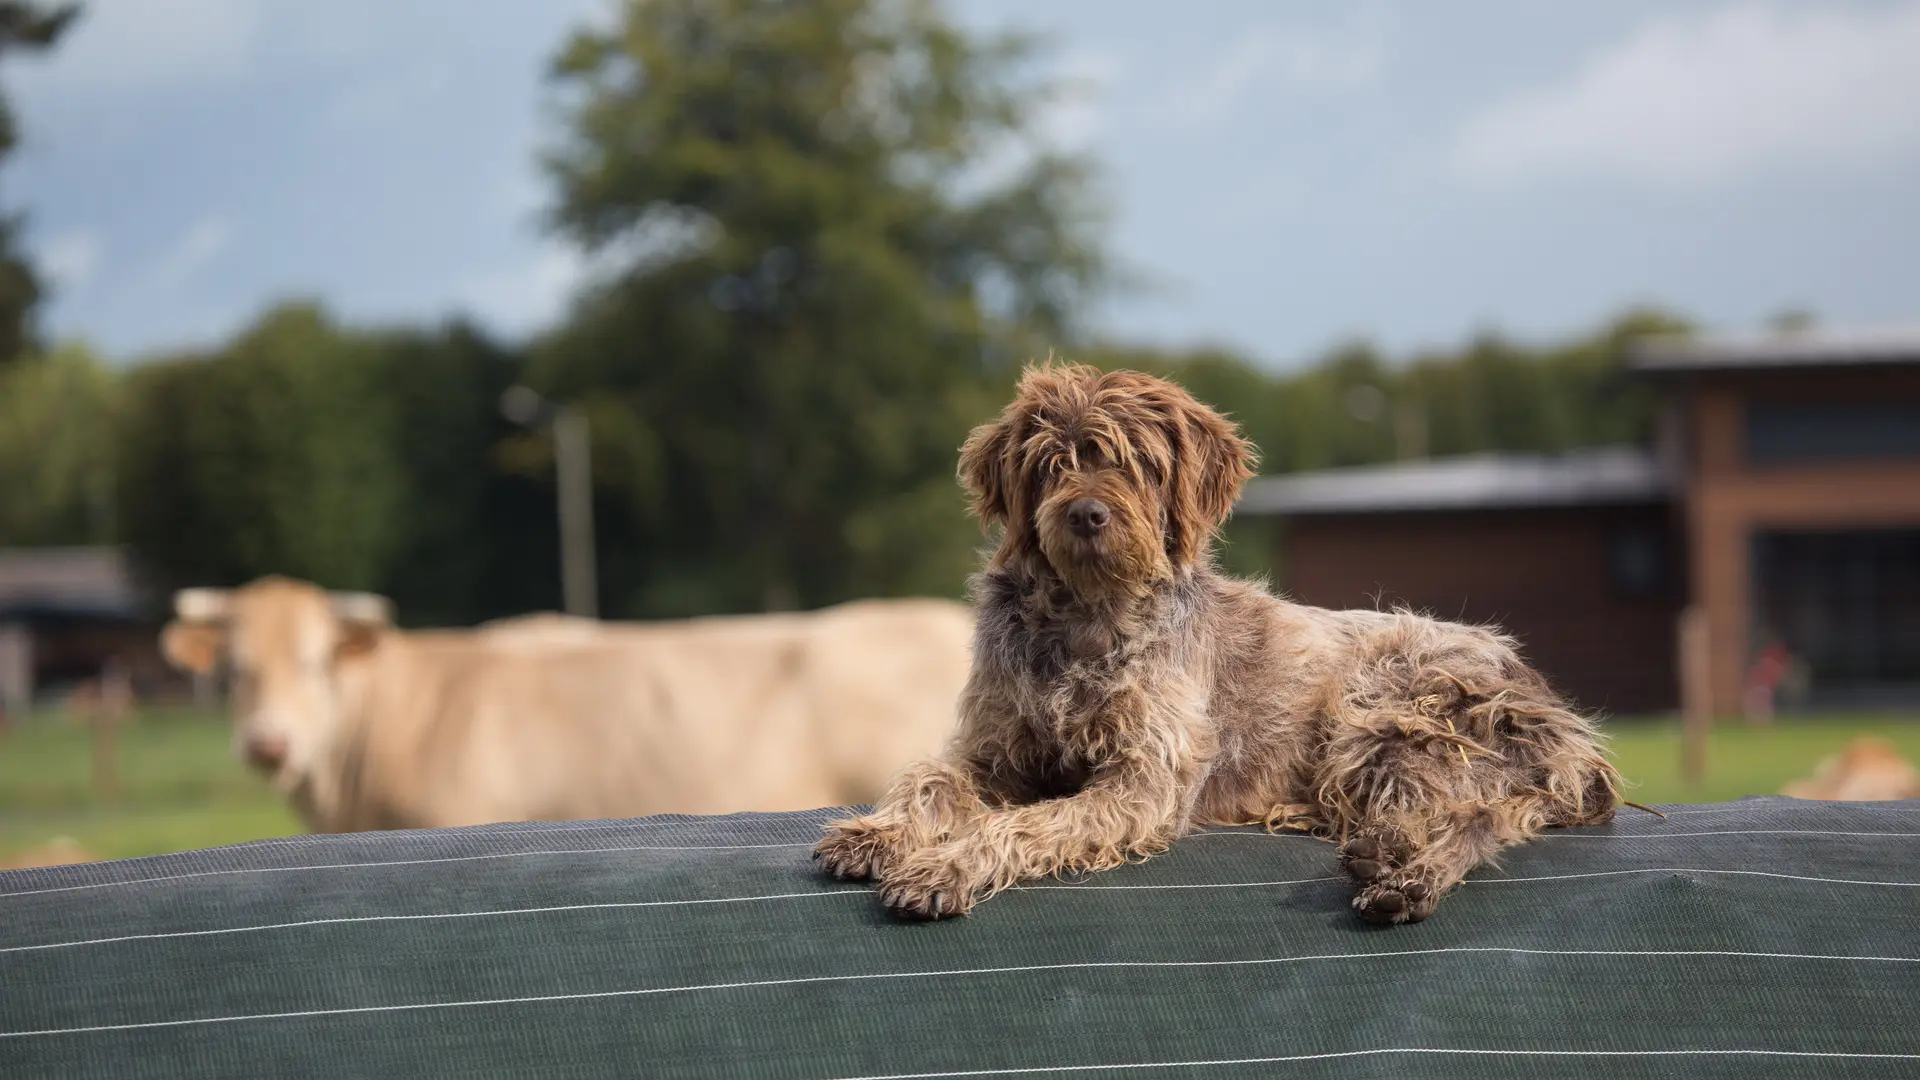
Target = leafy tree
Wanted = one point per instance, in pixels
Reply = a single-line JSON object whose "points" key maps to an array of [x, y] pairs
{"points": [[274, 454], [57, 416], [475, 538], [824, 249], [1491, 395], [355, 458], [1497, 395], [30, 28]]}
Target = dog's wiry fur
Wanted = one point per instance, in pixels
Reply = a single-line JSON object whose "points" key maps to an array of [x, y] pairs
{"points": [[1123, 691]]}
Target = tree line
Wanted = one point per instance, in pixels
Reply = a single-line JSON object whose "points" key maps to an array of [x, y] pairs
{"points": [[824, 239], [379, 459]]}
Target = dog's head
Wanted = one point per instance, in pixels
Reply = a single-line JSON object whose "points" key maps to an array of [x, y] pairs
{"points": [[1117, 479]]}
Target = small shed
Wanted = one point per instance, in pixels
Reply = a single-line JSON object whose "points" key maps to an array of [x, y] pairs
{"points": [[1580, 556], [66, 615]]}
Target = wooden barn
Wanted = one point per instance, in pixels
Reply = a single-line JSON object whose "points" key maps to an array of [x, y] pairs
{"points": [[1780, 507]]}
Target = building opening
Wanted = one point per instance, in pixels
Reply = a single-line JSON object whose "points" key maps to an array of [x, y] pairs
{"points": [[1845, 607]]}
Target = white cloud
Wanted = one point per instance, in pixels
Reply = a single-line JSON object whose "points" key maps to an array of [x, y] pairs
{"points": [[197, 247], [1071, 123], [526, 297], [1068, 124], [70, 259], [144, 44], [1693, 101], [1272, 59], [532, 293]]}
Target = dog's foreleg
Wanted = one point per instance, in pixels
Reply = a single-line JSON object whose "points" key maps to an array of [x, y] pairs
{"points": [[930, 801], [927, 802], [1133, 807]]}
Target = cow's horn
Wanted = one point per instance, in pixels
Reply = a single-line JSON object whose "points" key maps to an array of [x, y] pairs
{"points": [[202, 605], [361, 607]]}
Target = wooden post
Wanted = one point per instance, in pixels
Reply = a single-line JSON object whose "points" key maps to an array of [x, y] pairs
{"points": [[1410, 430], [112, 700], [16, 667], [1696, 693], [573, 460]]}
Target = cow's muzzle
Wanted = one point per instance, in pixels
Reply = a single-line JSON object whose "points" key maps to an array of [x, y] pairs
{"points": [[266, 752]]}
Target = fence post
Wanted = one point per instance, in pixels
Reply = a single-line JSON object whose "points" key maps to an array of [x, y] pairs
{"points": [[573, 460], [1696, 693], [111, 700], [16, 667]]}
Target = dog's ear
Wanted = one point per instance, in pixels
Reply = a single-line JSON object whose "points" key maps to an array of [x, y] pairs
{"points": [[1211, 461], [984, 468]]}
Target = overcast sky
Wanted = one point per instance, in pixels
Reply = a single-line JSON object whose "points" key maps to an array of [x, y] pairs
{"points": [[1289, 174]]}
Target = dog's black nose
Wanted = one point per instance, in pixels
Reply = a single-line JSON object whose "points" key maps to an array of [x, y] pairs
{"points": [[1088, 516]]}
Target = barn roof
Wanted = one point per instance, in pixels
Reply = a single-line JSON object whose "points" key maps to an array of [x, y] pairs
{"points": [[1604, 476], [1865, 347], [66, 581]]}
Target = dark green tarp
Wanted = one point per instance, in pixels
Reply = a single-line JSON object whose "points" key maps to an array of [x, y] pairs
{"points": [[1764, 938]]}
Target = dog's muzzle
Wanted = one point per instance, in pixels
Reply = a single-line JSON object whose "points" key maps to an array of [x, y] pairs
{"points": [[1088, 517]]}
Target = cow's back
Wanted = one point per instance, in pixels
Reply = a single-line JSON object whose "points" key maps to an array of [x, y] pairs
{"points": [[883, 681], [702, 716], [799, 710]]}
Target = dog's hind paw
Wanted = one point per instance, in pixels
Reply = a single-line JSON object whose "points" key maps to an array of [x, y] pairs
{"points": [[858, 849], [1400, 899], [1372, 854]]}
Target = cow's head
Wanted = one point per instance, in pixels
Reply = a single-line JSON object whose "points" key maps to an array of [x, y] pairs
{"points": [[281, 642]]}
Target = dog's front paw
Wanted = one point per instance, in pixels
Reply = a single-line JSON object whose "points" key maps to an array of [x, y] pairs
{"points": [[1400, 898], [926, 887], [858, 849]]}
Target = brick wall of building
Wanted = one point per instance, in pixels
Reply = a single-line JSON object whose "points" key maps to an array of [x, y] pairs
{"points": [[1542, 574], [1729, 498]]}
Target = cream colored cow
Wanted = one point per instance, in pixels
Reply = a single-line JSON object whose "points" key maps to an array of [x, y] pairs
{"points": [[546, 717]]}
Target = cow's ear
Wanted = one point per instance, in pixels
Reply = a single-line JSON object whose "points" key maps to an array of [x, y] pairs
{"points": [[193, 641], [359, 638], [193, 646], [363, 619]]}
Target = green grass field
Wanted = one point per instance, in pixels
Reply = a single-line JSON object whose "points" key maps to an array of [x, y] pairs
{"points": [[182, 788]]}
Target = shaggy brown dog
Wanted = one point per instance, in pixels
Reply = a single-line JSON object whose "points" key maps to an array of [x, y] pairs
{"points": [[1123, 691]]}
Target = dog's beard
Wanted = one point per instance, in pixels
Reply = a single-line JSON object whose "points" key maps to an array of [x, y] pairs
{"points": [[1116, 562]]}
